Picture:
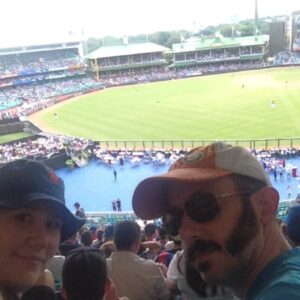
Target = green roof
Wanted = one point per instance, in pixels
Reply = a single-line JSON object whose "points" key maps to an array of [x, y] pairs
{"points": [[219, 43], [122, 50]]}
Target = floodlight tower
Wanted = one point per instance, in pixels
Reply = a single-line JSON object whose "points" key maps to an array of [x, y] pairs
{"points": [[256, 20]]}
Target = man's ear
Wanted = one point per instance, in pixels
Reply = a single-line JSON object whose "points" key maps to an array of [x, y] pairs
{"points": [[110, 290], [63, 293], [267, 200], [284, 229], [108, 285]]}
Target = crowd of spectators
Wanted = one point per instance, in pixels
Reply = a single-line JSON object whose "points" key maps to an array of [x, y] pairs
{"points": [[30, 79], [139, 264], [287, 58], [50, 89], [219, 54], [33, 81], [136, 77], [33, 97], [296, 43], [274, 160], [162, 74], [131, 59], [40, 148], [38, 62], [220, 68], [46, 146]]}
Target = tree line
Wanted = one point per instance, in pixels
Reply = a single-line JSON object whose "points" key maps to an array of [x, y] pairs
{"points": [[167, 38]]}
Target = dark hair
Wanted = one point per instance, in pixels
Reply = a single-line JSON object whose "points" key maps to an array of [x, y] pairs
{"points": [[150, 229], [246, 183], [99, 234], [39, 292], [8, 294], [109, 232], [84, 274], [86, 238], [162, 233], [93, 228], [293, 224], [126, 234]]}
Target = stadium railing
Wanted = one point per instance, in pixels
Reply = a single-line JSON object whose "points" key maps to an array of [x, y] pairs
{"points": [[273, 143]]}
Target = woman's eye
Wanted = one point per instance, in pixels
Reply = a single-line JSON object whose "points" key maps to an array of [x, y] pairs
{"points": [[54, 224], [24, 217]]}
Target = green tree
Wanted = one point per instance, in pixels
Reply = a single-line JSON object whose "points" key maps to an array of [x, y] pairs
{"points": [[174, 38], [111, 41], [208, 31], [93, 44], [263, 27], [160, 37], [225, 30], [245, 28], [140, 38]]}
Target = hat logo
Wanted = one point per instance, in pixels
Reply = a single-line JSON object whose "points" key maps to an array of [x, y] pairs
{"points": [[53, 178], [192, 158]]}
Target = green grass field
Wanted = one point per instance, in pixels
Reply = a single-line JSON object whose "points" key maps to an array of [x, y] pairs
{"points": [[14, 136], [202, 108]]}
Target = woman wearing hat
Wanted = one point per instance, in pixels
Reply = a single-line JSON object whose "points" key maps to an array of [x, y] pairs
{"points": [[33, 222]]}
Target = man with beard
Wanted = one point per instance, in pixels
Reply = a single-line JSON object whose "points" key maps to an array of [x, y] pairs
{"points": [[183, 278], [222, 204]]}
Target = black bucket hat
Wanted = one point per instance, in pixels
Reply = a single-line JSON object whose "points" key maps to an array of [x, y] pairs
{"points": [[25, 181]]}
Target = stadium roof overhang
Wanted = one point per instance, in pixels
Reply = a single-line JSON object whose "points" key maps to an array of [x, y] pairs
{"points": [[127, 49], [39, 48]]}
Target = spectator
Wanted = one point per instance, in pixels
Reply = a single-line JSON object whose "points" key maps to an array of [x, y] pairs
{"points": [[93, 230], [33, 220], [108, 246], [289, 192], [150, 235], [86, 238], [79, 211], [292, 229], [114, 205], [134, 276], [85, 276], [119, 204], [151, 232], [69, 244], [99, 241], [223, 205], [44, 288], [162, 237], [165, 256], [55, 266]]}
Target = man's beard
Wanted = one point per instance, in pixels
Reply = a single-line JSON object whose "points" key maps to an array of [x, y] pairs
{"points": [[239, 246]]}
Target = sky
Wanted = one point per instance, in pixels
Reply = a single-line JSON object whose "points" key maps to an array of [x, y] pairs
{"points": [[33, 22]]}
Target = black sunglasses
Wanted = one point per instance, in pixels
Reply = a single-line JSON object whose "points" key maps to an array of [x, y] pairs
{"points": [[200, 207]]}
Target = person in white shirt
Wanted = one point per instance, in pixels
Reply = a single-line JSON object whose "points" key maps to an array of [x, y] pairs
{"points": [[135, 277]]}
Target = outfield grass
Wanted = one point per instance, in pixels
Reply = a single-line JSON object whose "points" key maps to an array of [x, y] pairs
{"points": [[14, 136], [202, 108]]}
